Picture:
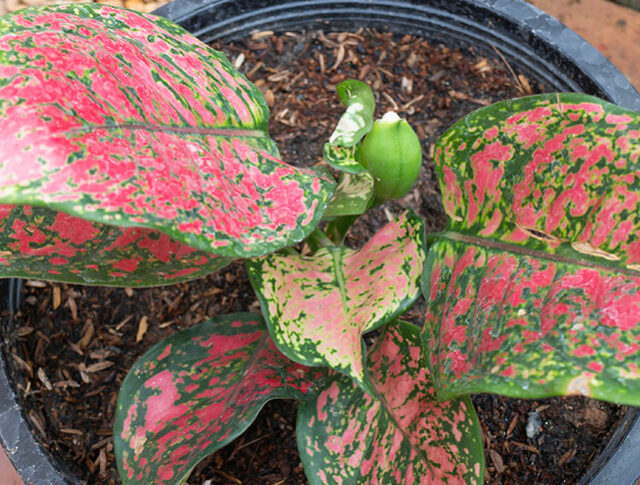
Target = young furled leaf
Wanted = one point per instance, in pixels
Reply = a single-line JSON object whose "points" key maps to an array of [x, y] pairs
{"points": [[534, 288], [342, 151], [126, 119], [391, 151], [402, 434], [317, 307], [357, 120], [196, 391]]}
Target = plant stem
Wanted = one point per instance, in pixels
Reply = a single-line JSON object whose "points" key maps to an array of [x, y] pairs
{"points": [[318, 239]]}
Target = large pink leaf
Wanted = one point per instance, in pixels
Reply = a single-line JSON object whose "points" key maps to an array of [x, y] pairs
{"points": [[317, 307], [193, 393], [534, 288], [126, 119], [399, 435]]}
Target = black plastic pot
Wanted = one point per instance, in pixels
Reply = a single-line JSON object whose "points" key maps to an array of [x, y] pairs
{"points": [[533, 41]]}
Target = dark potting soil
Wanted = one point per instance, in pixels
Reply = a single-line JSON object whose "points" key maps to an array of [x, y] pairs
{"points": [[71, 346]]}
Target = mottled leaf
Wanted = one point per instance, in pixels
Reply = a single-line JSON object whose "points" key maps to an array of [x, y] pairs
{"points": [[344, 159], [38, 242], [357, 120], [196, 391], [400, 435], [352, 195], [317, 307], [126, 119], [534, 288]]}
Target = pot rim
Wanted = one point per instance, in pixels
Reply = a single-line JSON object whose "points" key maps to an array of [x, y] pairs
{"points": [[537, 43]]}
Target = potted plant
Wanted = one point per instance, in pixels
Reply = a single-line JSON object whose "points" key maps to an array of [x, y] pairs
{"points": [[266, 271]]}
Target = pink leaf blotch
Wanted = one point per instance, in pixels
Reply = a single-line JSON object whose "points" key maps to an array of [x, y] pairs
{"points": [[534, 288], [317, 307], [126, 119], [196, 391], [37, 240], [401, 434]]}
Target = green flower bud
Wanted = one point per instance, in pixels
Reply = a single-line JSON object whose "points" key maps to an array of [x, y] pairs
{"points": [[392, 152]]}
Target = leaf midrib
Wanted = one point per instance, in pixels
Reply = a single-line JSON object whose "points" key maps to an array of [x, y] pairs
{"points": [[407, 436], [259, 347], [185, 130], [250, 363], [533, 253], [340, 280]]}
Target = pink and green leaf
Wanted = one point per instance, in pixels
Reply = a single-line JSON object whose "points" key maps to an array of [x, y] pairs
{"points": [[352, 195], [126, 119], [40, 243], [317, 307], [196, 391], [534, 288], [402, 434]]}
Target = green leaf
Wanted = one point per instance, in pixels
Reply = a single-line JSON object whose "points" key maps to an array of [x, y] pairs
{"points": [[357, 120], [534, 288], [400, 435], [127, 120], [345, 159], [196, 391], [317, 307], [342, 151], [352, 195]]}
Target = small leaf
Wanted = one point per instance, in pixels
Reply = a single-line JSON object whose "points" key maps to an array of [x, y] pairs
{"points": [[196, 391], [534, 288], [352, 195], [141, 124], [317, 307], [400, 435], [357, 120]]}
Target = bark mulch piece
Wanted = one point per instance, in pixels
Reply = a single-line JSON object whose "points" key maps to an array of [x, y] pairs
{"points": [[71, 346]]}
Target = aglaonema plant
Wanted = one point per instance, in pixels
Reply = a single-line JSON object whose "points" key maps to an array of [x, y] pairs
{"points": [[134, 155]]}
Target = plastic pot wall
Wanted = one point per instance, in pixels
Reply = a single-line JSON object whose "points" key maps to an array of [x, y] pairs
{"points": [[529, 39], [534, 41]]}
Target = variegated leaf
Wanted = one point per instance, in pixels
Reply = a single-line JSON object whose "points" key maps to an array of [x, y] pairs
{"points": [[39, 242], [534, 288], [344, 159], [317, 307], [197, 391], [352, 195], [126, 119], [400, 435], [357, 120]]}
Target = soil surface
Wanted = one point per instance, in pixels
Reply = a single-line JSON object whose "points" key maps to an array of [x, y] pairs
{"points": [[71, 346], [612, 28]]}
